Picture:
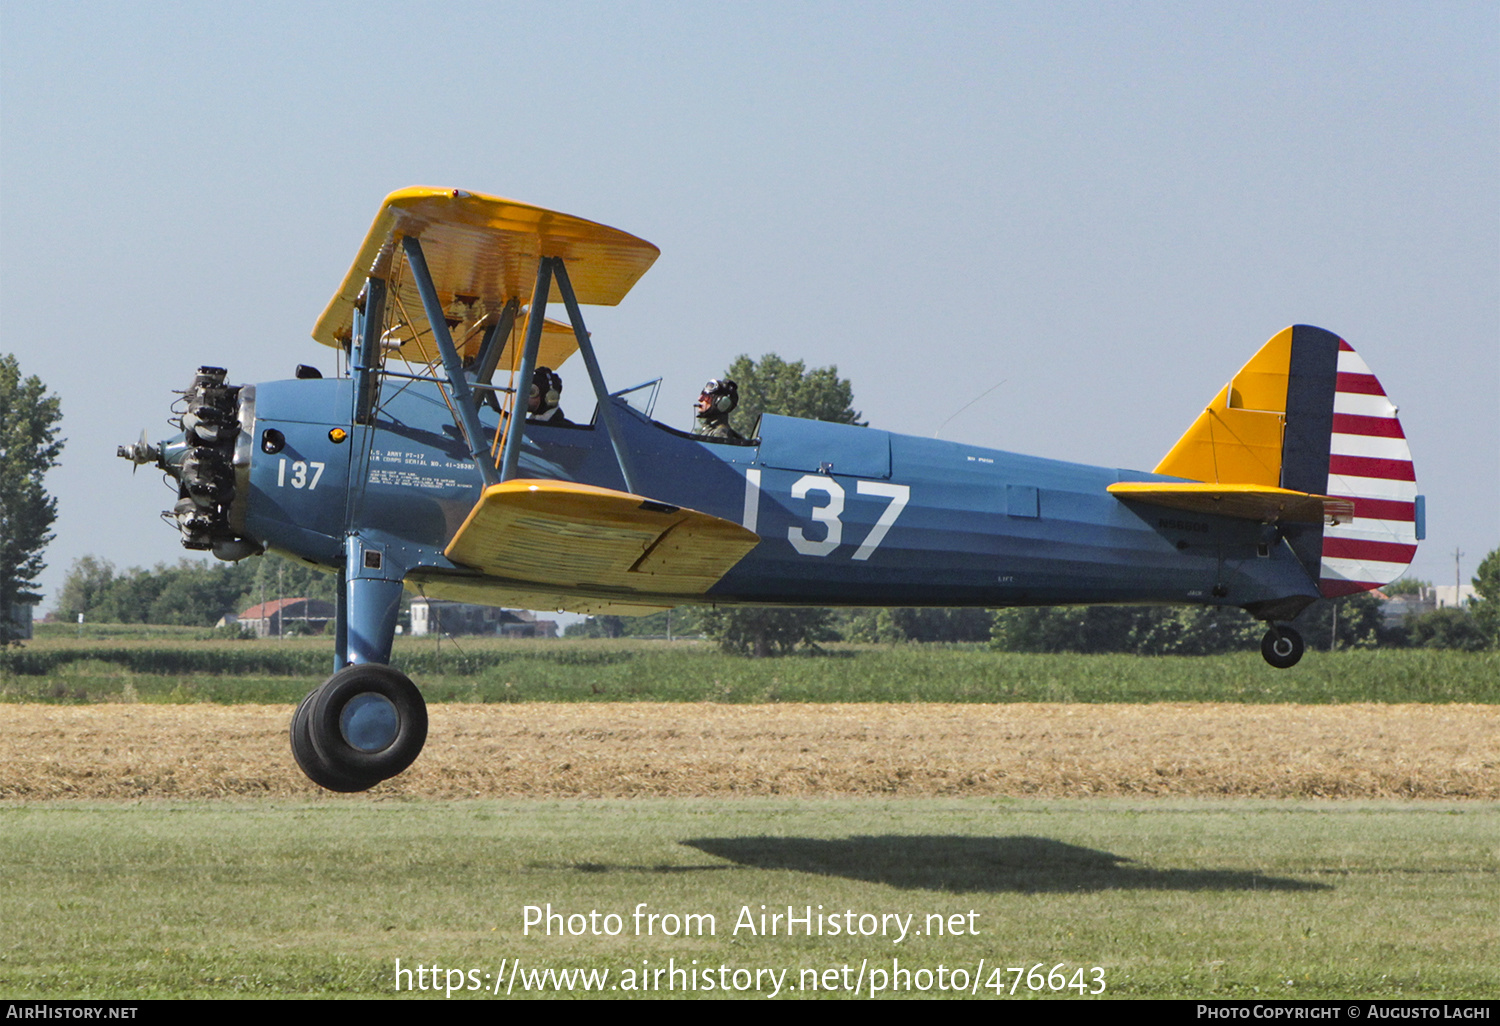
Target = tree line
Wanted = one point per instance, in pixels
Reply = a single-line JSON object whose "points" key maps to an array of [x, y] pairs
{"points": [[1354, 621], [199, 594], [189, 593]]}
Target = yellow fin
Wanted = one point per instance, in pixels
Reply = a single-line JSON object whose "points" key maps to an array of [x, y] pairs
{"points": [[1238, 437]]}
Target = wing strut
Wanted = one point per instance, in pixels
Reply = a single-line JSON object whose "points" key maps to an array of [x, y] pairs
{"points": [[551, 269], [510, 458], [365, 358], [547, 269], [494, 342], [452, 363], [601, 392]]}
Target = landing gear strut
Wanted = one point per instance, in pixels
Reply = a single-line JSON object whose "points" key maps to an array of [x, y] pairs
{"points": [[1282, 647], [363, 725]]}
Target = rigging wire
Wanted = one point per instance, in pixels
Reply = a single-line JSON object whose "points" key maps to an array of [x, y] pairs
{"points": [[971, 402]]}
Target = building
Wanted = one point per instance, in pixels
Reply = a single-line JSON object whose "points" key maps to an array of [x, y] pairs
{"points": [[1431, 597], [293, 615], [1453, 596], [431, 616]]}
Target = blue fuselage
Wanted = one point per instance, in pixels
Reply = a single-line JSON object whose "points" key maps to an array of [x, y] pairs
{"points": [[846, 515]]}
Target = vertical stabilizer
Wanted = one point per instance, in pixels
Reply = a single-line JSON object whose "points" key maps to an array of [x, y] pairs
{"points": [[1306, 414]]}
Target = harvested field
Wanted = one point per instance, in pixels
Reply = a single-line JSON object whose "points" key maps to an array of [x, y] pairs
{"points": [[135, 751]]}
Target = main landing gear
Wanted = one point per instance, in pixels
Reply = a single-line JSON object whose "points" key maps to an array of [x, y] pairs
{"points": [[1282, 647], [363, 725]]}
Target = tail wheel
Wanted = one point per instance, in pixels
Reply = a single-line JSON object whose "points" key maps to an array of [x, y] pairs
{"points": [[365, 724], [1282, 647]]}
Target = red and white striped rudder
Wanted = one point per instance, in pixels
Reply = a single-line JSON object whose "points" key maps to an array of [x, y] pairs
{"points": [[1370, 463]]}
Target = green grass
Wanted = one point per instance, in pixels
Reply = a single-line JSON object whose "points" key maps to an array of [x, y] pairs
{"points": [[481, 670], [1170, 899], [132, 631]]}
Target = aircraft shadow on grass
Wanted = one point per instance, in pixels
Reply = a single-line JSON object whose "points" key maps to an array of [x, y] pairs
{"points": [[1027, 865]]}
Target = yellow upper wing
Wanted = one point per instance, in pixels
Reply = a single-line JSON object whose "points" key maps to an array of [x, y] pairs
{"points": [[482, 251], [568, 536]]}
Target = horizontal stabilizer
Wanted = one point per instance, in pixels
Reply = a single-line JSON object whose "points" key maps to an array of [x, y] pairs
{"points": [[576, 537], [1248, 502]]}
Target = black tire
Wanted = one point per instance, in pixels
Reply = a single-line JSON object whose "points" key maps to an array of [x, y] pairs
{"points": [[363, 753], [317, 769], [1282, 647]]}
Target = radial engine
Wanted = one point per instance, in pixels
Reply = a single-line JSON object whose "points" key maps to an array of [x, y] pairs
{"points": [[208, 462]]}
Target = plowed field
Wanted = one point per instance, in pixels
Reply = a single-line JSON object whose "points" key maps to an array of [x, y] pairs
{"points": [[131, 751]]}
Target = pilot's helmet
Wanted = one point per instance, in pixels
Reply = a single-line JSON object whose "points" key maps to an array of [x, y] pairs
{"points": [[546, 390], [718, 398]]}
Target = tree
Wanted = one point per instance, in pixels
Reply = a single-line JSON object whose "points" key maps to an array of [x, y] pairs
{"points": [[772, 385], [1407, 586], [760, 631], [271, 577], [29, 447], [1447, 628], [88, 579], [905, 624], [1351, 621], [1144, 630], [1485, 607], [601, 626]]}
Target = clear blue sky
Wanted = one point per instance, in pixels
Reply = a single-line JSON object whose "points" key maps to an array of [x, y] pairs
{"points": [[1107, 207]]}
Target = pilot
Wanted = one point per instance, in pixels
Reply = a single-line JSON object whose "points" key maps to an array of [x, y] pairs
{"points": [[717, 401], [546, 390]]}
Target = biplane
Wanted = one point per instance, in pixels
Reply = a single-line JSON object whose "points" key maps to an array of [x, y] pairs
{"points": [[415, 468]]}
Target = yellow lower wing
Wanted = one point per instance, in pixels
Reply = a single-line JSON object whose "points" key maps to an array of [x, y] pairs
{"points": [[1249, 502], [563, 535]]}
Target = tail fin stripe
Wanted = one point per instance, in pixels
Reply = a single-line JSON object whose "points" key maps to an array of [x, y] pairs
{"points": [[1363, 570], [1361, 384], [1397, 532], [1363, 466], [1378, 530], [1365, 550], [1372, 446], [1355, 424], [1363, 405], [1372, 572], [1382, 509], [1334, 587], [1373, 488]]}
